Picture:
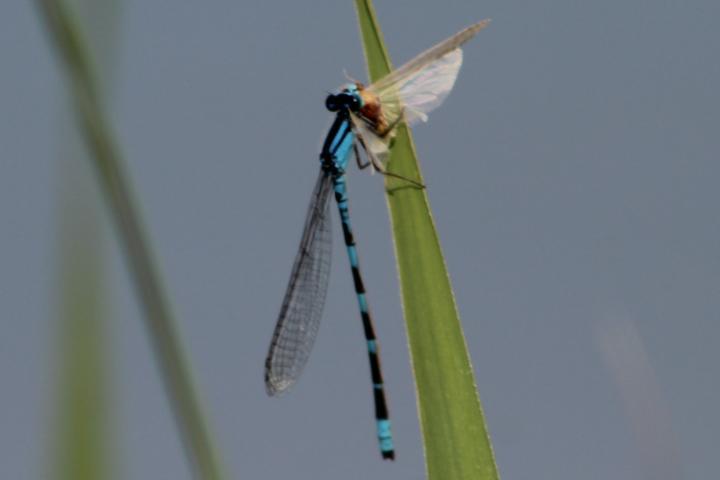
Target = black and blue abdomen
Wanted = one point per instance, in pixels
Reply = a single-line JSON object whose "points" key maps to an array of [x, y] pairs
{"points": [[334, 157]]}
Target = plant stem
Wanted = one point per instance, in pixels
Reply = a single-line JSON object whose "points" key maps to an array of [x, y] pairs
{"points": [[108, 165]]}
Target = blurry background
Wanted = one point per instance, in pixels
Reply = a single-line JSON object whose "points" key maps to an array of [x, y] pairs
{"points": [[573, 177]]}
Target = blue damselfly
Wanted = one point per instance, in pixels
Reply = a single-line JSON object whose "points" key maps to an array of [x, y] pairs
{"points": [[364, 117]]}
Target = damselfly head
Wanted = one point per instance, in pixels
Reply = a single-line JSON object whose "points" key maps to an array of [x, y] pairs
{"points": [[348, 97]]}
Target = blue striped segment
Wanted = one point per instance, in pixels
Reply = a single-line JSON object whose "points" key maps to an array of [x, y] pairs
{"points": [[385, 436]]}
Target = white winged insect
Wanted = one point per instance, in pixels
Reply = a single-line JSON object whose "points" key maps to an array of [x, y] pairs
{"points": [[408, 94]]}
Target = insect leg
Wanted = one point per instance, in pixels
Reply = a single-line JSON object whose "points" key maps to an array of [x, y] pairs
{"points": [[361, 166], [377, 164]]}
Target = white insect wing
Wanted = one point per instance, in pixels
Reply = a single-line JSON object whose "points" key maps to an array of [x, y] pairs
{"points": [[422, 84], [417, 94]]}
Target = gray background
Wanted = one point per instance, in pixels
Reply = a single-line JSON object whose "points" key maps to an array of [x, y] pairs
{"points": [[573, 177]]}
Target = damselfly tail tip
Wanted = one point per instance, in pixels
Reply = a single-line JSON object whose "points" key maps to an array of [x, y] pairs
{"points": [[389, 455]]}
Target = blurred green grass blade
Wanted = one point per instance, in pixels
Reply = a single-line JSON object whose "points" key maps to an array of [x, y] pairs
{"points": [[72, 50], [82, 448], [455, 436], [84, 437]]}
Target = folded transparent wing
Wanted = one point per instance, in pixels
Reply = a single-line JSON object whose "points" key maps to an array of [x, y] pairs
{"points": [[423, 83], [302, 307], [372, 143]]}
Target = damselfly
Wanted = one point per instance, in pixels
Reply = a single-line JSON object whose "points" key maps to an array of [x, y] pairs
{"points": [[364, 116]]}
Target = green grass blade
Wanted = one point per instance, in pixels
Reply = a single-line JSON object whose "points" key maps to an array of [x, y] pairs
{"points": [[456, 440], [83, 436], [72, 49]]}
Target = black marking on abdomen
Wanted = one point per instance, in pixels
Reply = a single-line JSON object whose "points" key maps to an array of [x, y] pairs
{"points": [[381, 409]]}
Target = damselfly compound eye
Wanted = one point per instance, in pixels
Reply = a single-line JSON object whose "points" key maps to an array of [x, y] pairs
{"points": [[331, 103], [354, 103]]}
